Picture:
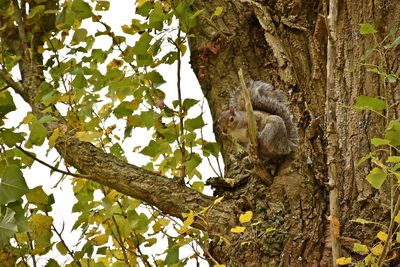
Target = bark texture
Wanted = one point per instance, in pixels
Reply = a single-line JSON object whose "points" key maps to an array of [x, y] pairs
{"points": [[285, 44]]}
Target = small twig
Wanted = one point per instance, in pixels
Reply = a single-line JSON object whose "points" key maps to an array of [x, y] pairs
{"points": [[21, 30], [71, 253], [11, 83], [31, 249], [50, 166], [252, 126], [182, 146], [5, 88], [119, 240], [389, 239]]}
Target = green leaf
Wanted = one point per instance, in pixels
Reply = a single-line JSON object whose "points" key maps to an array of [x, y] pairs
{"points": [[139, 222], [62, 248], [20, 218], [379, 141], [41, 230], [81, 9], [79, 82], [36, 11], [198, 186], [12, 185], [192, 164], [143, 44], [196, 123], [370, 103], [376, 177], [52, 263], [188, 103], [394, 44], [102, 5], [6, 103], [79, 36], [11, 138], [210, 148], [172, 253], [154, 149], [360, 249], [37, 196], [393, 132], [38, 133], [392, 78], [367, 28], [8, 226], [393, 159], [155, 77]]}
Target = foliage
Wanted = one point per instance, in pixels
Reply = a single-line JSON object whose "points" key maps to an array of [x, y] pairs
{"points": [[384, 159], [100, 81]]}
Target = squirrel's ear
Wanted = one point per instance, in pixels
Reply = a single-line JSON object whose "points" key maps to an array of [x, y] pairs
{"points": [[232, 110]]}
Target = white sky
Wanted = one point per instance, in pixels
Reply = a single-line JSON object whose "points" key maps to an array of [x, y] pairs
{"points": [[120, 13]]}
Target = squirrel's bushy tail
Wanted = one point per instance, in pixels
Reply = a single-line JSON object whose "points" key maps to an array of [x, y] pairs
{"points": [[266, 98]]}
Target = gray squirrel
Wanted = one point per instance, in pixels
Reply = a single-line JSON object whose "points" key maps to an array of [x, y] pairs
{"points": [[276, 133]]}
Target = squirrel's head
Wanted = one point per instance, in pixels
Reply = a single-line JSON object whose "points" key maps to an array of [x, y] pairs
{"points": [[227, 121]]}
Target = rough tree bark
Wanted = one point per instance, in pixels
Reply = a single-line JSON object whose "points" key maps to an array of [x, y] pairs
{"points": [[283, 42]]}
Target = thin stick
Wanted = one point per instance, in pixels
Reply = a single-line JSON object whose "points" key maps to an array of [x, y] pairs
{"points": [[252, 126], [50, 166], [332, 148]]}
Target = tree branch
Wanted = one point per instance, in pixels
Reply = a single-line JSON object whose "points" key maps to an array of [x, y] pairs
{"points": [[50, 166], [166, 194], [11, 83]]}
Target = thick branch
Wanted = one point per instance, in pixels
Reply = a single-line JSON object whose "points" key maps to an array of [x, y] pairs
{"points": [[161, 192]]}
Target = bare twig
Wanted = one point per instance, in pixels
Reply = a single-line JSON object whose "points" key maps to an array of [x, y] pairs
{"points": [[11, 83], [50, 166], [70, 252], [21, 29], [182, 145], [390, 231], [252, 126], [332, 148]]}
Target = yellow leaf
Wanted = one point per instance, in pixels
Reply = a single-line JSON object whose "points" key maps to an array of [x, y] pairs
{"points": [[53, 138], [100, 239], [238, 229], [270, 229], [189, 220], [246, 217], [360, 248], [219, 265], [382, 236], [87, 136], [218, 11], [160, 224], [377, 250], [343, 261], [256, 223], [218, 200]]}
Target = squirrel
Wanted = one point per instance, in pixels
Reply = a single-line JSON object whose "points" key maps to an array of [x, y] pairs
{"points": [[276, 133]]}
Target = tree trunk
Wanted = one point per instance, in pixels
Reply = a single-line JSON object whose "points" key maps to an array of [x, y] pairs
{"points": [[285, 43]]}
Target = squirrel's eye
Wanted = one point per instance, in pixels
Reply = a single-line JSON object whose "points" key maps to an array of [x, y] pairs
{"points": [[231, 119]]}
